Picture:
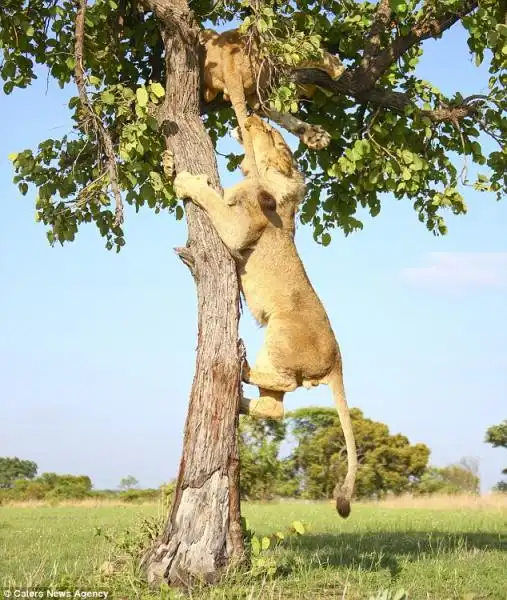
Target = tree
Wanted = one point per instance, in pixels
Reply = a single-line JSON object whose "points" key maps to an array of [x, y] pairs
{"points": [[128, 483], [387, 463], [263, 474], [496, 435], [454, 479], [137, 112], [52, 485], [15, 468]]}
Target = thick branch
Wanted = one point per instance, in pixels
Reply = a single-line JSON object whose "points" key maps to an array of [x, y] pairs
{"points": [[380, 24], [102, 134], [396, 101], [168, 11], [374, 66]]}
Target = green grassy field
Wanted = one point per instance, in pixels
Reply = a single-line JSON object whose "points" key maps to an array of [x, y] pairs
{"points": [[458, 552]]}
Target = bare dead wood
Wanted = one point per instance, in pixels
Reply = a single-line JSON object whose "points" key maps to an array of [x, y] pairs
{"points": [[203, 531], [89, 116]]}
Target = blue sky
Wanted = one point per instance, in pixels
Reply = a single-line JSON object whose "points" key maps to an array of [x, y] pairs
{"points": [[97, 350]]}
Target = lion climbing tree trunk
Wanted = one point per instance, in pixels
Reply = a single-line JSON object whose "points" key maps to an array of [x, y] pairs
{"points": [[203, 531]]}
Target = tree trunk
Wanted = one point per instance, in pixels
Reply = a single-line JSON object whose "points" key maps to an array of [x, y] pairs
{"points": [[203, 531]]}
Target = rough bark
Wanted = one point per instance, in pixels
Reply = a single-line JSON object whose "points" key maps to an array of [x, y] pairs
{"points": [[203, 532]]}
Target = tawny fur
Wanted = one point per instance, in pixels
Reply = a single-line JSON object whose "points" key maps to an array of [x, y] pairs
{"points": [[227, 68], [229, 65], [256, 221]]}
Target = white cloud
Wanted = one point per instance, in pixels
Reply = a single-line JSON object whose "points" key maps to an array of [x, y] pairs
{"points": [[460, 269]]}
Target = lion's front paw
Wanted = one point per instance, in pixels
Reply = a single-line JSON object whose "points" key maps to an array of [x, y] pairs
{"points": [[315, 137], [185, 184], [262, 408]]}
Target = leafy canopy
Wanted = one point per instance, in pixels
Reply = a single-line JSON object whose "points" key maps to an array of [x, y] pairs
{"points": [[318, 459], [496, 435], [13, 468], [387, 462], [391, 131]]}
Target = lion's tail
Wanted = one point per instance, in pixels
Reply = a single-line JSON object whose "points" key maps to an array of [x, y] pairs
{"points": [[343, 493]]}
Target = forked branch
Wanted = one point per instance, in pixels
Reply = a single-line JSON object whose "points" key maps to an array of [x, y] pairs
{"points": [[376, 63]]}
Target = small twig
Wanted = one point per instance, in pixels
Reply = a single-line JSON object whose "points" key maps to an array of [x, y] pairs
{"points": [[77, 159], [371, 121], [382, 148], [81, 200], [464, 171], [487, 131], [102, 134], [16, 36]]}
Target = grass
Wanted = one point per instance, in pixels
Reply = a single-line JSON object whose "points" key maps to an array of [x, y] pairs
{"points": [[434, 549]]}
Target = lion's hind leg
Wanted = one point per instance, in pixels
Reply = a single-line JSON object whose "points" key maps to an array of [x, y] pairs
{"points": [[264, 375], [272, 387], [269, 405]]}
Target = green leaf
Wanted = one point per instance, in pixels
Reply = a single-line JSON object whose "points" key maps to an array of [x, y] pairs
{"points": [[398, 6], [179, 213], [107, 97], [142, 96], [265, 543], [12, 156], [297, 525], [256, 546], [158, 90], [261, 25], [326, 240]]}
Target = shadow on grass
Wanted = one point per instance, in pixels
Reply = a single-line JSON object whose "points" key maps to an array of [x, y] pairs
{"points": [[376, 551]]}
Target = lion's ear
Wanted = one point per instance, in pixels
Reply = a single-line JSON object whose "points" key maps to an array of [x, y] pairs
{"points": [[205, 35], [266, 200]]}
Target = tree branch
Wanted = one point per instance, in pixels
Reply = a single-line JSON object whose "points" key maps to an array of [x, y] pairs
{"points": [[374, 66], [380, 24], [168, 11], [187, 258], [396, 101], [104, 140]]}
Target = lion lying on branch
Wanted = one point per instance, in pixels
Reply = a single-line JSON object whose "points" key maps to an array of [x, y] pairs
{"points": [[231, 67]]}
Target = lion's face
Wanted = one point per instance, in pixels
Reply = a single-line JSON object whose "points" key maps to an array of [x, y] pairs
{"points": [[270, 144], [254, 122]]}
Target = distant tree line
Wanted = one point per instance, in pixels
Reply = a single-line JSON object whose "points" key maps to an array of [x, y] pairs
{"points": [[18, 482], [496, 435], [314, 460], [389, 463]]}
